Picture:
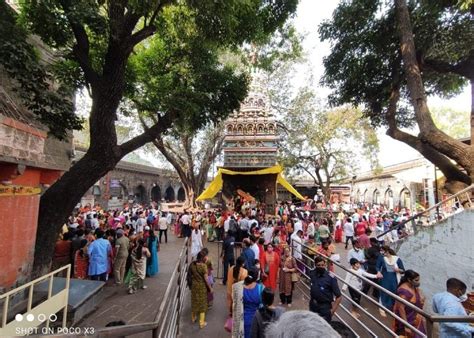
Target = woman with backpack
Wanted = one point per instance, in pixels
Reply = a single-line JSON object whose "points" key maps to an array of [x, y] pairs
{"points": [[267, 314]]}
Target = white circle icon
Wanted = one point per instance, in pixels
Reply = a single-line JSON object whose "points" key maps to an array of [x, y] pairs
{"points": [[30, 317], [19, 317], [53, 318], [41, 317]]}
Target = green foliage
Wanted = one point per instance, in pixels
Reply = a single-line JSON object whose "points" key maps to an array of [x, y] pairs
{"points": [[178, 71], [365, 60], [187, 78], [239, 21], [455, 123], [327, 144], [33, 81]]}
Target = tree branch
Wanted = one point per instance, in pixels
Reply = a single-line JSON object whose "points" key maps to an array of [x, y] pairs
{"points": [[465, 68], [164, 122], [81, 48], [450, 171], [429, 133], [148, 30], [158, 143]]}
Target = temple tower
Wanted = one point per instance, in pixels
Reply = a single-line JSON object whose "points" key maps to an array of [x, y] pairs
{"points": [[251, 132], [251, 143]]}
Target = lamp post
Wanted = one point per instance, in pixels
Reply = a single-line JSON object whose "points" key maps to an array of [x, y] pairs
{"points": [[351, 197]]}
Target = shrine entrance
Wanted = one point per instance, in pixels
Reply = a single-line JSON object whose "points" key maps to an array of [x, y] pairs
{"points": [[261, 187]]}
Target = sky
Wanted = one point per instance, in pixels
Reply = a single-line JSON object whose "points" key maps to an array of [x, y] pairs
{"points": [[309, 15]]}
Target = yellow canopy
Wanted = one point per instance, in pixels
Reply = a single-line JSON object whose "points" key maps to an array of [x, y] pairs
{"points": [[217, 182]]}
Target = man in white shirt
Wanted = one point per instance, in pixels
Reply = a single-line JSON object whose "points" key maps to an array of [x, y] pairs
{"points": [[355, 217], [140, 224], [298, 225], [349, 231], [267, 233], [226, 224], [185, 225], [94, 221], [356, 252], [163, 227], [254, 247], [296, 244]]}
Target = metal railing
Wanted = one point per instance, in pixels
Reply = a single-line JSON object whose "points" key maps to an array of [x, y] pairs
{"points": [[466, 191], [430, 320], [166, 322], [36, 315]]}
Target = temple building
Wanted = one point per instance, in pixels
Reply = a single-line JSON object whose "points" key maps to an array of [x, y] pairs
{"points": [[250, 151], [251, 133]]}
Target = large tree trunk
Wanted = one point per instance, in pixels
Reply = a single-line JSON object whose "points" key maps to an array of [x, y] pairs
{"points": [[456, 179], [59, 201], [191, 192], [472, 110], [429, 133]]}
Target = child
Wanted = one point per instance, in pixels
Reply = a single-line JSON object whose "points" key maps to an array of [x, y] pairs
{"points": [[355, 283]]}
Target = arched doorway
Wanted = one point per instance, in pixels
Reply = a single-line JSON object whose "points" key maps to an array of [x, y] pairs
{"points": [[376, 197], [169, 194], [156, 194], [364, 196], [181, 194], [140, 194], [405, 198], [388, 200], [357, 196]]}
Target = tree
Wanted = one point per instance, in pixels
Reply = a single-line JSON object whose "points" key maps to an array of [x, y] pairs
{"points": [[326, 144], [190, 147], [32, 78], [191, 154], [96, 40], [453, 122], [374, 64]]}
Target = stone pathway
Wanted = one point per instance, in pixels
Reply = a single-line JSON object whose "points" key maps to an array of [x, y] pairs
{"points": [[143, 305], [217, 315]]}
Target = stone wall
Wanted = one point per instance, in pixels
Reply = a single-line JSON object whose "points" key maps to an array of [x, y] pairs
{"points": [[122, 185], [390, 191], [440, 252]]}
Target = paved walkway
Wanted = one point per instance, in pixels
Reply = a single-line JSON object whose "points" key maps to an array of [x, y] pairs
{"points": [[143, 305], [217, 315]]}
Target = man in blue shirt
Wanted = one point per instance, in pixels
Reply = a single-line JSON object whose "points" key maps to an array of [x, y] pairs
{"points": [[248, 255], [325, 293], [448, 303], [227, 253], [99, 251]]}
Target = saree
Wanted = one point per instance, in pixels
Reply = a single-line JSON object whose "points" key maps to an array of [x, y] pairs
{"points": [[238, 310], [413, 318]]}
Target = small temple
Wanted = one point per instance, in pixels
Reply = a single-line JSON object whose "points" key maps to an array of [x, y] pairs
{"points": [[250, 170]]}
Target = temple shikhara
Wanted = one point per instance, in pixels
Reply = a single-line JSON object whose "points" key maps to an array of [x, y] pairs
{"points": [[251, 140], [250, 170]]}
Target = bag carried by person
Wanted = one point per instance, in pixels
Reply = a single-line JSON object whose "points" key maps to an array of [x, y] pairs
{"points": [[228, 324], [233, 225], [295, 277], [189, 277]]}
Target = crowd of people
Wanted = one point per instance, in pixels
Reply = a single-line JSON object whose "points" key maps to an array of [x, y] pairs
{"points": [[275, 250], [121, 245]]}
